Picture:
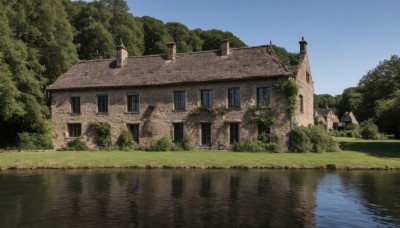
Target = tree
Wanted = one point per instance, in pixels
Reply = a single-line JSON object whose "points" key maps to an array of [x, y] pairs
{"points": [[325, 101], [156, 36], [379, 84], [350, 101], [212, 39], [21, 82], [387, 111], [287, 58]]}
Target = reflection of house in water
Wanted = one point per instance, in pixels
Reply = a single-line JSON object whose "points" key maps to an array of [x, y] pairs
{"points": [[328, 117], [177, 198]]}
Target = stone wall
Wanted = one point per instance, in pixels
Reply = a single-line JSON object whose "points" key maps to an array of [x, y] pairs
{"points": [[306, 90], [157, 122]]}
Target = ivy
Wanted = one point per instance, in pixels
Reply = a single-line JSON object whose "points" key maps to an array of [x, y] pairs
{"points": [[213, 113], [262, 114], [103, 133], [290, 89]]}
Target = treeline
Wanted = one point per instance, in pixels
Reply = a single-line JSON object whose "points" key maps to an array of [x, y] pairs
{"points": [[376, 97]]}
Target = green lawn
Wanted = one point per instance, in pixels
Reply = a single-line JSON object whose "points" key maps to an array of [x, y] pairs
{"points": [[358, 154]]}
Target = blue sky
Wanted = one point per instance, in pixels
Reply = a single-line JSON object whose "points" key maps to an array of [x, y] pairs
{"points": [[346, 38]]}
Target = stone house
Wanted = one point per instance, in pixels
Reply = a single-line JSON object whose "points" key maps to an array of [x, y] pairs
{"points": [[328, 117], [177, 94]]}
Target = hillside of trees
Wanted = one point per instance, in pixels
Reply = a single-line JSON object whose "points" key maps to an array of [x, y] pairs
{"points": [[376, 97]]}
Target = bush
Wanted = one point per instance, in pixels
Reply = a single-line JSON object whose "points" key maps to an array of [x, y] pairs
{"points": [[103, 134], [319, 138], [249, 146], [313, 139], [186, 144], [125, 140], [299, 140], [77, 144], [163, 144], [369, 130], [34, 141], [258, 146]]}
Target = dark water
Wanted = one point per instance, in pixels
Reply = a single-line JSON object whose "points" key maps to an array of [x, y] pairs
{"points": [[199, 198]]}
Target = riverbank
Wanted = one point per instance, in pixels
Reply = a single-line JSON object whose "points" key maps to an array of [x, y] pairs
{"points": [[357, 154]]}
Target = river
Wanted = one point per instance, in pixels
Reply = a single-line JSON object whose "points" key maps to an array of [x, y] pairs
{"points": [[199, 198]]}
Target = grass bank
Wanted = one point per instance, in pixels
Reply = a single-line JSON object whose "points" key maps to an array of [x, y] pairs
{"points": [[357, 154]]}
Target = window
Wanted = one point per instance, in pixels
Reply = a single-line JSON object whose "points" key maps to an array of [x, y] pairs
{"points": [[180, 100], [301, 104], [74, 130], [76, 105], [133, 103], [178, 132], [234, 133], [234, 98], [207, 98], [206, 134], [264, 133], [263, 96], [134, 128], [102, 103], [307, 77]]}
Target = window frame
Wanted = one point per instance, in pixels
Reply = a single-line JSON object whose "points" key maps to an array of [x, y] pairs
{"points": [[210, 98], [73, 131], [130, 107], [182, 101], [178, 134], [206, 134], [233, 101], [135, 127], [234, 133], [268, 94], [75, 105], [100, 106]]}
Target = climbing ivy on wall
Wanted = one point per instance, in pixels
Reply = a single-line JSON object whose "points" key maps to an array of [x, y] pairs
{"points": [[290, 89], [262, 114], [103, 133], [213, 113]]}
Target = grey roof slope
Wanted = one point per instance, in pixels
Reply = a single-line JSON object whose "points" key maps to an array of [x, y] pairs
{"points": [[154, 70]]}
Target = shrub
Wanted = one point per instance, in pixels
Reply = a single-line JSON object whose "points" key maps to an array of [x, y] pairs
{"points": [[313, 139], [103, 134], [249, 146], [187, 143], [163, 144], [77, 144], [34, 141], [125, 140], [319, 138], [299, 140], [369, 130]]}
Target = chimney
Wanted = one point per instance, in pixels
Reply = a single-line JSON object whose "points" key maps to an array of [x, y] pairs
{"points": [[122, 55], [171, 52], [303, 45], [224, 47]]}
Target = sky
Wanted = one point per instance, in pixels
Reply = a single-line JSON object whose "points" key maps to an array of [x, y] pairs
{"points": [[346, 38]]}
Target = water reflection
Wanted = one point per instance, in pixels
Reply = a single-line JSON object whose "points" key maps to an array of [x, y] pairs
{"points": [[199, 198]]}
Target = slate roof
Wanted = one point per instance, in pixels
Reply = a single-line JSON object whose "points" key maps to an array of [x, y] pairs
{"points": [[325, 111], [155, 70]]}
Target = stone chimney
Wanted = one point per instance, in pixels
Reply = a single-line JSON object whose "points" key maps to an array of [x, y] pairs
{"points": [[303, 45], [224, 48], [171, 52], [122, 55]]}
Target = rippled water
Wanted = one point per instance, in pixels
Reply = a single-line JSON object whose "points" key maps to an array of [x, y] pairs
{"points": [[199, 198]]}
